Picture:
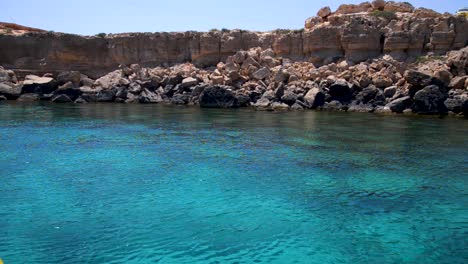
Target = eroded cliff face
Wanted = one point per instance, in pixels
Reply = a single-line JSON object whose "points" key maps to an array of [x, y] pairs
{"points": [[354, 32]]}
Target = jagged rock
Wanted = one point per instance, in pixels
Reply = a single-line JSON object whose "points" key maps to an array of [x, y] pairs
{"points": [[10, 90], [189, 82], [370, 94], [458, 82], [402, 7], [429, 100], [61, 98], [218, 97], [419, 80], [389, 92], [324, 12], [297, 107], [30, 97], [378, 5], [261, 74], [149, 97], [180, 99], [314, 98], [400, 104], [106, 95]]}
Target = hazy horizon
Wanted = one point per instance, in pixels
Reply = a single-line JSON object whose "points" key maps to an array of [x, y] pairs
{"points": [[92, 17]]}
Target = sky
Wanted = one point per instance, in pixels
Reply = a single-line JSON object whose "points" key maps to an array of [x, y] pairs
{"points": [[89, 17]]}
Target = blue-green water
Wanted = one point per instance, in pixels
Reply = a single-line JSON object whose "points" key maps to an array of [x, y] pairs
{"points": [[146, 184]]}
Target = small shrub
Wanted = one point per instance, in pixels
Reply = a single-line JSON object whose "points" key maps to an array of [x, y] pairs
{"points": [[389, 15], [214, 30], [8, 31], [101, 35], [225, 30]]}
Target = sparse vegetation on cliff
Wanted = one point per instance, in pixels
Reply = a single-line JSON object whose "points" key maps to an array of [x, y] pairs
{"points": [[101, 35]]}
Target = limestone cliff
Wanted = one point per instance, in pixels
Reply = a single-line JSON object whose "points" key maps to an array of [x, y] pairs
{"points": [[354, 32]]}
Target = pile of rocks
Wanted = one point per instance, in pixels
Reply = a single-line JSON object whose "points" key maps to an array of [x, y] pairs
{"points": [[259, 79]]}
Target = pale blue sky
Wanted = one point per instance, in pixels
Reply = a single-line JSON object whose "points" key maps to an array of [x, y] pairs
{"points": [[90, 17]]}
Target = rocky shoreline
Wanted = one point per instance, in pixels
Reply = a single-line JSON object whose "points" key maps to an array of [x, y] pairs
{"points": [[385, 57], [257, 78]]}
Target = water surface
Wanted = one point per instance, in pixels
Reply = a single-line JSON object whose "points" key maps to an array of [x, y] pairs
{"points": [[112, 183]]}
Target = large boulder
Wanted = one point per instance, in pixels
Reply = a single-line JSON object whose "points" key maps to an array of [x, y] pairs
{"points": [[261, 74], [29, 98], [39, 85], [11, 91], [429, 100], [7, 76], [69, 76], [324, 12], [340, 91], [218, 97], [419, 80], [399, 105], [314, 97]]}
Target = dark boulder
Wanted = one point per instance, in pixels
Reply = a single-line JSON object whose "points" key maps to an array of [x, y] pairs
{"points": [[68, 89], [340, 91], [218, 97], [106, 95], [429, 100], [39, 85], [419, 80], [455, 104], [149, 97], [289, 98], [399, 105], [372, 95], [180, 99], [243, 100], [3, 98]]}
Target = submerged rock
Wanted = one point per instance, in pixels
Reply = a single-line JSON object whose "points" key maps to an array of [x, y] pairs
{"points": [[218, 97]]}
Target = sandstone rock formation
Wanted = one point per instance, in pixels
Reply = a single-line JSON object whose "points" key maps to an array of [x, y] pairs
{"points": [[355, 32]]}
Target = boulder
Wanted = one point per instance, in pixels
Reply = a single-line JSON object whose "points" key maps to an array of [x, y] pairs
{"points": [[279, 106], [324, 12], [10, 90], [7, 76], [400, 104], [262, 103], [458, 82], [40, 85], [180, 99], [3, 98], [188, 82], [419, 80], [429, 100], [340, 91], [149, 97], [289, 98], [261, 74], [314, 98], [105, 95], [389, 92], [361, 108], [455, 104], [335, 106], [69, 76], [218, 97]]}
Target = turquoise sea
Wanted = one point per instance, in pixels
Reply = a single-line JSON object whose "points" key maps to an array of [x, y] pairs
{"points": [[111, 183]]}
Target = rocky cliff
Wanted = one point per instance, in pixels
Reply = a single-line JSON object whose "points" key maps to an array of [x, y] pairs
{"points": [[354, 32]]}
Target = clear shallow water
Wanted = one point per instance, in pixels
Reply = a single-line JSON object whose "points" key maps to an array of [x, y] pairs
{"points": [[145, 184]]}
